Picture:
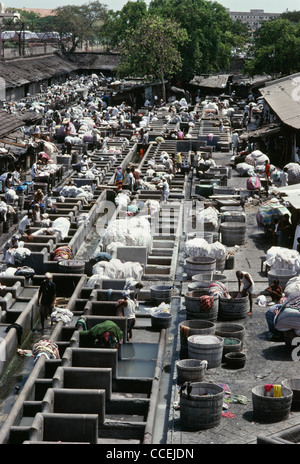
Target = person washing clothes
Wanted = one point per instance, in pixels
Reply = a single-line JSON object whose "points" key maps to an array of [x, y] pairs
{"points": [[245, 287], [275, 291], [128, 307]]}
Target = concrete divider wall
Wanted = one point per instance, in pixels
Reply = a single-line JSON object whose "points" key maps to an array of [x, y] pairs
{"points": [[69, 428], [84, 378], [91, 357], [75, 401]]}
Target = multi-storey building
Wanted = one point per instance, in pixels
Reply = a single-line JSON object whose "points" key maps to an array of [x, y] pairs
{"points": [[254, 18]]}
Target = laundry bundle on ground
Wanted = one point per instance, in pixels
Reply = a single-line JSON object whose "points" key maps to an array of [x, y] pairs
{"points": [[17, 255], [115, 269], [134, 231], [219, 289], [283, 259], [293, 171], [199, 247], [292, 286], [63, 253], [61, 314], [45, 348]]}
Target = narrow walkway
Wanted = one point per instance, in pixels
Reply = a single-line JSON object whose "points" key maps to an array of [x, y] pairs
{"points": [[267, 361]]}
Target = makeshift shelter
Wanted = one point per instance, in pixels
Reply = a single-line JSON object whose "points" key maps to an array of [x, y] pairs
{"points": [[270, 210]]}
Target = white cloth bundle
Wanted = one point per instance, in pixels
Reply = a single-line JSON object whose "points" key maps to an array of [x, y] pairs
{"points": [[292, 286], [132, 231], [208, 216], [116, 269], [17, 255], [283, 258], [200, 247], [61, 225], [83, 218], [245, 168], [61, 314]]}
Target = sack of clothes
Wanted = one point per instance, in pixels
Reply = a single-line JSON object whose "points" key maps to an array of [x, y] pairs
{"points": [[45, 348], [62, 253]]}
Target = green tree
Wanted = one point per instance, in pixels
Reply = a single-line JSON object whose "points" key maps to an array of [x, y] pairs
{"points": [[76, 24], [292, 16], [212, 34], [276, 48], [151, 50], [118, 23]]}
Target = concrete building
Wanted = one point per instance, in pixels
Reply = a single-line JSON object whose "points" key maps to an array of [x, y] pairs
{"points": [[254, 18]]}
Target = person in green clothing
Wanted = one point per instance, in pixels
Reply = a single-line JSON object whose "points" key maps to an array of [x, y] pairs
{"points": [[106, 334]]}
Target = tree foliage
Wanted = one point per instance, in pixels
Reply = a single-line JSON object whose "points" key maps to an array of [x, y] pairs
{"points": [[118, 23], [152, 49], [292, 16], [276, 48], [211, 32], [76, 24]]}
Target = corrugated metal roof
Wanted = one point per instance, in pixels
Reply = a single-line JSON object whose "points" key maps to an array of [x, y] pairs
{"points": [[10, 122], [218, 81], [23, 71], [283, 96]]}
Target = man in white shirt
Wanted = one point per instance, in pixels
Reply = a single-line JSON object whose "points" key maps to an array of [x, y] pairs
{"points": [[284, 178], [25, 223], [166, 190], [128, 308]]}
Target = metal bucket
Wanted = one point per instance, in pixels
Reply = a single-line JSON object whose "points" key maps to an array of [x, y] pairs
{"points": [[270, 409], [193, 306], [209, 278], [206, 347], [190, 370], [194, 327], [294, 385], [234, 308], [199, 265], [71, 266], [231, 330], [161, 293], [231, 345], [233, 233], [207, 236], [233, 216], [161, 321], [202, 409]]}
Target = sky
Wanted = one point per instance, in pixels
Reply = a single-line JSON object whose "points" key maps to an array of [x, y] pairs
{"points": [[269, 6]]}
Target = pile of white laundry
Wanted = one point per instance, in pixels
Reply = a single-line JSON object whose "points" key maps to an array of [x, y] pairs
{"points": [[283, 258], [200, 247], [115, 269], [133, 231]]}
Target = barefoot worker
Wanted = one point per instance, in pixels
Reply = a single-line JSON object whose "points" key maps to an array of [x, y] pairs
{"points": [[245, 286]]}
